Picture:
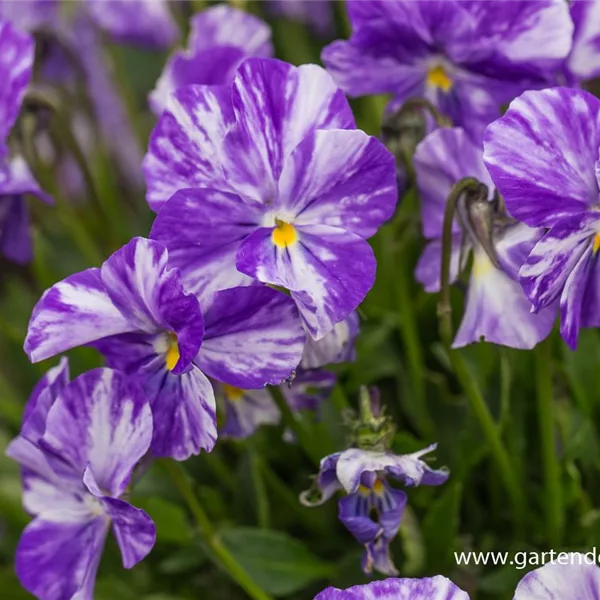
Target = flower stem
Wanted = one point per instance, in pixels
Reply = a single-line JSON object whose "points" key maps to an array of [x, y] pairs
{"points": [[545, 401], [294, 424], [179, 477], [460, 367]]}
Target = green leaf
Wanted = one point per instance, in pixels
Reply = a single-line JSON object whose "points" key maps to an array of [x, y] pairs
{"points": [[170, 520], [277, 562], [440, 528]]}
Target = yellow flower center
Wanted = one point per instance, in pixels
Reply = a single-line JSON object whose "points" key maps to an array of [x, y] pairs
{"points": [[284, 234], [233, 393], [172, 355], [438, 78], [596, 245], [378, 487]]}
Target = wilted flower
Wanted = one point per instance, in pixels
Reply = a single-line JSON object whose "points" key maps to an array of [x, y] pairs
{"points": [[276, 186], [78, 446], [543, 158], [496, 308], [468, 58], [438, 587], [16, 180], [221, 37], [372, 509], [246, 410], [136, 311]]}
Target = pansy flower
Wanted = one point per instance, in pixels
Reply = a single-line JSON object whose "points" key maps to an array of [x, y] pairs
{"points": [[543, 157], [78, 446], [221, 37], [16, 180], [468, 58], [275, 185], [147, 23], [496, 309], [571, 576], [246, 410], [427, 588], [372, 509], [136, 311]]}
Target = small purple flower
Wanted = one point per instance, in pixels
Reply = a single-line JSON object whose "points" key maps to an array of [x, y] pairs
{"points": [[318, 14], [428, 588], [496, 308], [139, 22], [578, 578], [247, 410], [276, 186], [543, 158], [78, 446], [135, 310], [468, 58], [221, 37], [372, 509], [16, 180], [583, 63]]}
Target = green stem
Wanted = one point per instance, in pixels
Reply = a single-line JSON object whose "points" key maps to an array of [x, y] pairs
{"points": [[262, 500], [546, 416], [412, 345], [180, 479], [294, 424], [460, 368]]}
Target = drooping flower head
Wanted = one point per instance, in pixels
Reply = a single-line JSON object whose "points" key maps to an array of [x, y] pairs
{"points": [[543, 158], [16, 180], [136, 311], [78, 446], [246, 410], [221, 37], [276, 186], [467, 58], [372, 509], [437, 587], [146, 23], [496, 308]]}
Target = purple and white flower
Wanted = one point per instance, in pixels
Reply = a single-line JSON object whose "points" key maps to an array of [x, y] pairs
{"points": [[136, 311], [468, 58], [496, 308], [428, 588], [146, 23], [221, 37], [16, 180], [583, 63], [335, 347], [275, 185], [543, 158], [573, 577], [247, 410], [372, 509], [79, 444]]}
